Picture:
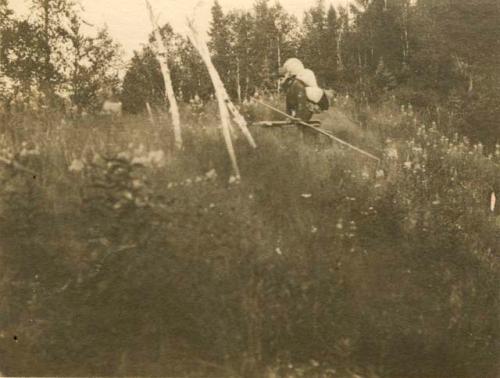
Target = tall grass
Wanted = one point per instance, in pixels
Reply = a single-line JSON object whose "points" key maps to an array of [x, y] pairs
{"points": [[122, 256]]}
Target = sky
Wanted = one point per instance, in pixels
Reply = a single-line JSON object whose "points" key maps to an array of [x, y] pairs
{"points": [[129, 24]]}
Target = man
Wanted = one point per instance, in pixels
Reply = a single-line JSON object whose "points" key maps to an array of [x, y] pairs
{"points": [[303, 96], [295, 89], [302, 90]]}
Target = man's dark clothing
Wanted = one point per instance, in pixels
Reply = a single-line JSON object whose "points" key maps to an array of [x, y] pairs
{"points": [[296, 99]]}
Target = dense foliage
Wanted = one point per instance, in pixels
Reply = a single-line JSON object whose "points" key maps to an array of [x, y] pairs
{"points": [[120, 257], [46, 59]]}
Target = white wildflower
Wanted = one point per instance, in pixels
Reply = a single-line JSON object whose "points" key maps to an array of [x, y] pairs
{"points": [[306, 195], [234, 180], [136, 184], [127, 195], [76, 165], [211, 175], [142, 160], [157, 158], [279, 251], [392, 153], [124, 155]]}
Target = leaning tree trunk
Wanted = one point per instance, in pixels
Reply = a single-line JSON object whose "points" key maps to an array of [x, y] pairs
{"points": [[161, 45], [225, 104]]}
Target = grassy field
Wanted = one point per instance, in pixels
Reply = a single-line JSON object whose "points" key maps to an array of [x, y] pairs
{"points": [[122, 256]]}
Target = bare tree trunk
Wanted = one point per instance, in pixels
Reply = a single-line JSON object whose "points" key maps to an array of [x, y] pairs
{"points": [[406, 42], [340, 65], [238, 84], [279, 62], [161, 45], [45, 85]]}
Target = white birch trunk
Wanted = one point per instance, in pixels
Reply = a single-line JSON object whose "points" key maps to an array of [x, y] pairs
{"points": [[161, 46]]}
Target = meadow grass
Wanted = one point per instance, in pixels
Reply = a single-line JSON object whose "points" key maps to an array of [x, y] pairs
{"points": [[123, 256]]}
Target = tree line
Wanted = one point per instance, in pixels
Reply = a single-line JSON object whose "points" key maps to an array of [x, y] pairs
{"points": [[440, 55], [48, 60]]}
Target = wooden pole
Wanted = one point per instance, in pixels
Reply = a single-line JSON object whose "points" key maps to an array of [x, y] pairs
{"points": [[161, 47], [320, 131], [202, 48]]}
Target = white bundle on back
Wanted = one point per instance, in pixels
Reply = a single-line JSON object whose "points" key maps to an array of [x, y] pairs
{"points": [[307, 77], [294, 67], [313, 92]]}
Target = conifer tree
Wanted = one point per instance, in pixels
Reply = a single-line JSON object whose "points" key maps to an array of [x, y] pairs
{"points": [[220, 47]]}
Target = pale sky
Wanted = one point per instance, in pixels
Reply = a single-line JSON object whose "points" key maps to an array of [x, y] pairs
{"points": [[128, 21]]}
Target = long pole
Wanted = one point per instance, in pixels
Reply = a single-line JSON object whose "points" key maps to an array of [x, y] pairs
{"points": [[220, 93], [321, 131], [161, 49]]}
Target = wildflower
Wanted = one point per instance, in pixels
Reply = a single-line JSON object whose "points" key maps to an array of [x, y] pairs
{"points": [[157, 158], [340, 224], [124, 155], [407, 164], [306, 195], [127, 195], [314, 363], [141, 160], [279, 251], [76, 166], [314, 229], [137, 184], [392, 153]]}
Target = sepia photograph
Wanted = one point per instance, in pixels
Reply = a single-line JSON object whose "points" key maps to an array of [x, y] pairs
{"points": [[250, 188]]}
